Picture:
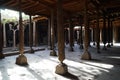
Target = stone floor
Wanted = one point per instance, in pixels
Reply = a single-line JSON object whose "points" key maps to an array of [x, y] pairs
{"points": [[103, 66]]}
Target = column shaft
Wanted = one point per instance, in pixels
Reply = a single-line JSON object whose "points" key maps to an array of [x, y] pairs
{"points": [[98, 32], [30, 35], [53, 52], [21, 59], [86, 55], [1, 41]]}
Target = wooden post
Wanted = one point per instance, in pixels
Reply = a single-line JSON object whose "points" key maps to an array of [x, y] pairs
{"points": [[30, 35], [34, 33], [108, 32], [60, 68], [104, 32], [81, 34], [71, 39], [1, 41], [4, 34], [86, 55], [98, 32], [49, 34], [53, 52], [111, 32], [21, 59]]}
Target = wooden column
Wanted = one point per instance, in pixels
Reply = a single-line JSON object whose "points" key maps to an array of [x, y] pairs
{"points": [[1, 41], [4, 34], [30, 35], [60, 68], [98, 32], [71, 38], [108, 45], [21, 59], [34, 33], [111, 30], [53, 52], [49, 34], [86, 55], [104, 32], [81, 35]]}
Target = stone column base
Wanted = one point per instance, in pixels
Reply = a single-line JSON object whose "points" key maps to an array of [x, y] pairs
{"points": [[53, 53], [86, 56], [31, 50], [61, 69], [81, 46], [21, 60], [2, 56], [108, 45], [94, 43]]}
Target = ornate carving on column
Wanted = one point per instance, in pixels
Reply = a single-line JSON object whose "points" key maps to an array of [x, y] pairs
{"points": [[21, 59], [1, 41], [71, 42], [60, 68], [53, 52], [86, 55], [30, 35]]}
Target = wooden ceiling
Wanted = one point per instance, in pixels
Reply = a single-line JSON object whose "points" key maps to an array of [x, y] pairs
{"points": [[76, 7]]}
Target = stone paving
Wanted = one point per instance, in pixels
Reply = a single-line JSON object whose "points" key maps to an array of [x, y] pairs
{"points": [[103, 66]]}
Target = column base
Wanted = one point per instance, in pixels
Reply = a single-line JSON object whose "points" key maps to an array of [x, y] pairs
{"points": [[108, 45], [111, 44], [21, 60], [86, 56], [31, 50], [71, 49], [2, 56], [81, 46], [53, 53], [94, 43], [61, 69]]}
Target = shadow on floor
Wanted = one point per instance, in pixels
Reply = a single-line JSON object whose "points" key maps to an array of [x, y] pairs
{"points": [[70, 76]]}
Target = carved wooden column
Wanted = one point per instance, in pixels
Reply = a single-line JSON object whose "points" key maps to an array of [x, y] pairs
{"points": [[104, 32], [53, 52], [86, 55], [1, 41], [60, 68], [98, 32], [21, 59], [49, 34], [108, 45], [30, 35], [71, 41]]}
